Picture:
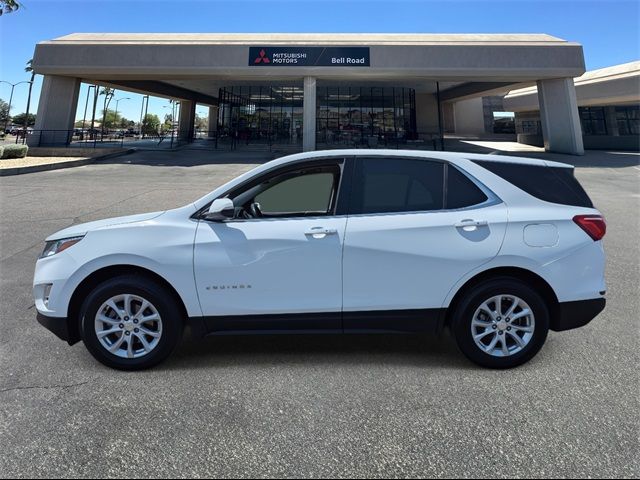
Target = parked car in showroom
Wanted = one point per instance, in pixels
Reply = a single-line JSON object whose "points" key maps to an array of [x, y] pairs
{"points": [[498, 249]]}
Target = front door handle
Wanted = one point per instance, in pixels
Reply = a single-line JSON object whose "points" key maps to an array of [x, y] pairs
{"points": [[470, 225], [321, 232]]}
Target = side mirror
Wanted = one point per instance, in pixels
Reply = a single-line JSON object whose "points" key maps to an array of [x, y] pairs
{"points": [[220, 209]]}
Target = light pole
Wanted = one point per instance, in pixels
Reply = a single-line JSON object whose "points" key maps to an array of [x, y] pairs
{"points": [[116, 117], [172, 106], [144, 99], [86, 104], [124, 98], [13, 85], [201, 115]]}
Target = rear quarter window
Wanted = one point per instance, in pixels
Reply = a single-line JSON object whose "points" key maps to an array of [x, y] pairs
{"points": [[461, 191], [551, 184]]}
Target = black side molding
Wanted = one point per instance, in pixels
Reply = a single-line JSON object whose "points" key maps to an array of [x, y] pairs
{"points": [[385, 321], [59, 326], [577, 314], [274, 323], [424, 320]]}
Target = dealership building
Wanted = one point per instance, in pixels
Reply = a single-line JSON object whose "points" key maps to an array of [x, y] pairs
{"points": [[608, 107], [318, 90]]}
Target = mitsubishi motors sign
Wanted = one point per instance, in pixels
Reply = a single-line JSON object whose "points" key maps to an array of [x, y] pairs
{"points": [[309, 56]]}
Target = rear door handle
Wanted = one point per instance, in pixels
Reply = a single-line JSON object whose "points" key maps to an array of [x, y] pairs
{"points": [[470, 224], [321, 232]]}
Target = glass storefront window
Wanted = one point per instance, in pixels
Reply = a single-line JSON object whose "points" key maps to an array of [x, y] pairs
{"points": [[592, 120], [628, 118], [364, 116], [345, 115], [261, 114]]}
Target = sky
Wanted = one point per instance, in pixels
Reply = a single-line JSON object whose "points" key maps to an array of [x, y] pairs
{"points": [[608, 29]]}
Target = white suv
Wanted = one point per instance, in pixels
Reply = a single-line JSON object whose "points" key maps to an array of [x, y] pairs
{"points": [[499, 249]]}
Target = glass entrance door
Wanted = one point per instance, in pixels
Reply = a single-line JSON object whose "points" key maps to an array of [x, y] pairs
{"points": [[261, 115], [365, 116]]}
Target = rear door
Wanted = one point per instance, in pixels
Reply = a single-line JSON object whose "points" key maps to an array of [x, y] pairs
{"points": [[416, 226]]}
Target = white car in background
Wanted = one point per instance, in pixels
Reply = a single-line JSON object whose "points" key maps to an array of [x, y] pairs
{"points": [[499, 249]]}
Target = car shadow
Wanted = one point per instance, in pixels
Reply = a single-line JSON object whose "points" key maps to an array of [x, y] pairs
{"points": [[335, 349]]}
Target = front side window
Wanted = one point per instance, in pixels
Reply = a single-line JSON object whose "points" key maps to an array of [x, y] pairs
{"points": [[305, 194], [386, 185], [305, 191]]}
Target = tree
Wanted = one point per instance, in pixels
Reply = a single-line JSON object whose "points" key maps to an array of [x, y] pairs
{"points": [[150, 124], [8, 6], [111, 120], [108, 95], [202, 123], [4, 112], [29, 69], [168, 122], [21, 119]]}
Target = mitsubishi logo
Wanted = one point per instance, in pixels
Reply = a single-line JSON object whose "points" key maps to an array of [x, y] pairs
{"points": [[262, 58]]}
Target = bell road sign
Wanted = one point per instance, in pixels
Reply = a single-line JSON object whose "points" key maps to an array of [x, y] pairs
{"points": [[309, 56]]}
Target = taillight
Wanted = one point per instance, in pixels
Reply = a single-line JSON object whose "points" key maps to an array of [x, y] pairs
{"points": [[593, 225]]}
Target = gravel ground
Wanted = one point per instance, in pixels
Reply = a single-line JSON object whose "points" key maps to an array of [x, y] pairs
{"points": [[365, 406]]}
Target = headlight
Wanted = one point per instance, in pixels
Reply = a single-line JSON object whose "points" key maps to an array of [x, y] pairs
{"points": [[57, 246]]}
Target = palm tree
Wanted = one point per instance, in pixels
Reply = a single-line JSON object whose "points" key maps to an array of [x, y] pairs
{"points": [[8, 6], [108, 95], [29, 69]]}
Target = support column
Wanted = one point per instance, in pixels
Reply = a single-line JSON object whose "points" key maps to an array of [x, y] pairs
{"points": [[561, 129], [187, 120], [56, 111], [309, 115], [213, 122]]}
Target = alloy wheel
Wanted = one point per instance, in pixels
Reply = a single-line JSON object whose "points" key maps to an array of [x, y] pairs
{"points": [[128, 326], [503, 325]]}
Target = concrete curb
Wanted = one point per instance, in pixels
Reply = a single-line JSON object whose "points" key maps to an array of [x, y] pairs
{"points": [[5, 172]]}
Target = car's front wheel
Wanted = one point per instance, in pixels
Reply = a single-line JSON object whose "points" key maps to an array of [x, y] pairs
{"points": [[130, 323], [501, 323]]}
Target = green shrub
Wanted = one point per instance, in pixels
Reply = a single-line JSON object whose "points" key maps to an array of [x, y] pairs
{"points": [[1, 150], [14, 151]]}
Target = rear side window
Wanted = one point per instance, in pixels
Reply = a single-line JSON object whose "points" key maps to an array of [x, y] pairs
{"points": [[461, 191], [551, 184], [385, 185]]}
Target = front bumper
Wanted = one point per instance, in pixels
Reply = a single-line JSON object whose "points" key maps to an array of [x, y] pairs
{"points": [[60, 327], [576, 314]]}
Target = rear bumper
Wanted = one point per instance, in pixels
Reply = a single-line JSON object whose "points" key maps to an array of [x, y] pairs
{"points": [[59, 326], [577, 314]]}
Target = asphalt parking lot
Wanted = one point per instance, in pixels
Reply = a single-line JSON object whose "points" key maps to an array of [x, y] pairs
{"points": [[366, 406]]}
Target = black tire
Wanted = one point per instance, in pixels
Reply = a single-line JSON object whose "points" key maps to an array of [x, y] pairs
{"points": [[463, 316], [164, 302]]}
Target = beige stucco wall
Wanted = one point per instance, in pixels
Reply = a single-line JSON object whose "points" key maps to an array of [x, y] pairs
{"points": [[426, 113], [469, 117]]}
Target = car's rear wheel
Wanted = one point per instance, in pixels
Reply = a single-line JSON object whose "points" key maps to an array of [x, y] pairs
{"points": [[130, 323], [501, 323]]}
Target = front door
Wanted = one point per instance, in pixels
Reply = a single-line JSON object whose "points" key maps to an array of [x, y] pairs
{"points": [[278, 263]]}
